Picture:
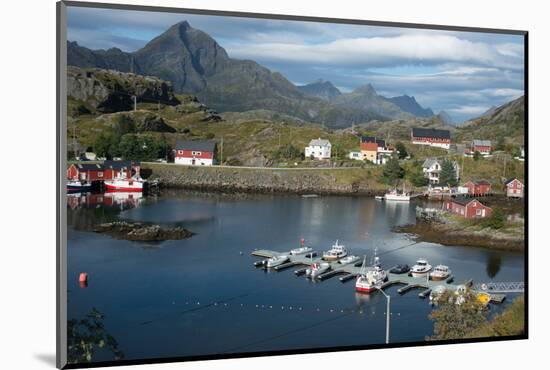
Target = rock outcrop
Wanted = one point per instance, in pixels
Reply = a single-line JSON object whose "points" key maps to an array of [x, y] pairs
{"points": [[138, 231]]}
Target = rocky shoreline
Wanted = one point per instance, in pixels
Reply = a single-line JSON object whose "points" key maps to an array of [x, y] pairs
{"points": [[457, 235], [137, 231], [223, 179]]}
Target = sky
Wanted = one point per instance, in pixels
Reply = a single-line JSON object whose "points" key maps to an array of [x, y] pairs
{"points": [[463, 73]]}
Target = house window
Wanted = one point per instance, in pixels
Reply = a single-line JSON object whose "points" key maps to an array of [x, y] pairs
{"points": [[180, 151], [462, 211], [196, 153], [478, 212], [100, 174]]}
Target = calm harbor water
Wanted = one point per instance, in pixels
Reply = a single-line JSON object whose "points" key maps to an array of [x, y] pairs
{"points": [[202, 296]]}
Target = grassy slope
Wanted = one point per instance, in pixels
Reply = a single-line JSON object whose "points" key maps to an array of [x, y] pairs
{"points": [[509, 322]]}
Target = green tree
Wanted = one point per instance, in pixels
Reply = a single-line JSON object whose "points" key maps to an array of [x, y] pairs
{"points": [[496, 221], [392, 171], [477, 155], [457, 315], [447, 176], [417, 177], [402, 150]]}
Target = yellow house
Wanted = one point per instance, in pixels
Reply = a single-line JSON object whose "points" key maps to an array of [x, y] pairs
{"points": [[369, 151]]}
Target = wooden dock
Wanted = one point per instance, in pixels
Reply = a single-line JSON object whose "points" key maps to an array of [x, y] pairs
{"points": [[352, 270]]}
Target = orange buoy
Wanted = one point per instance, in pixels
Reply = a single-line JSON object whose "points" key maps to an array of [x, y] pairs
{"points": [[83, 279]]}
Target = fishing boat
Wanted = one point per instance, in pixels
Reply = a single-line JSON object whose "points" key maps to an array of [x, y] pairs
{"points": [[78, 186], [128, 185], [395, 196], [421, 269], [348, 259], [335, 253], [317, 269], [277, 260], [369, 280], [440, 272]]}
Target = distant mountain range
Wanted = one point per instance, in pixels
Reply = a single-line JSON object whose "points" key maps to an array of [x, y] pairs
{"points": [[195, 63]]}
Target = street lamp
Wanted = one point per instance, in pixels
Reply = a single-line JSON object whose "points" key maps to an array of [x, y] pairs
{"points": [[388, 300]]}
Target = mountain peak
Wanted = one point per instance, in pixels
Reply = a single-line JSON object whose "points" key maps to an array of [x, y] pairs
{"points": [[320, 89], [365, 89], [409, 104]]}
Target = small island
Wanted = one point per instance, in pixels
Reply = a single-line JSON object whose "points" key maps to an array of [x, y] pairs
{"points": [[138, 231]]}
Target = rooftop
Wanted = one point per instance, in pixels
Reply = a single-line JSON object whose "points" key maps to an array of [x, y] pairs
{"points": [[431, 132], [198, 145]]}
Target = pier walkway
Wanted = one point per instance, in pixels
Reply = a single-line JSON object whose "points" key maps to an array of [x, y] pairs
{"points": [[351, 271]]}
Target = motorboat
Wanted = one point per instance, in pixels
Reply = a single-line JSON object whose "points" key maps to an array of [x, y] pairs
{"points": [[125, 185], [335, 253], [369, 280], [400, 269], [78, 186], [317, 269], [348, 259], [379, 197], [440, 272], [301, 250], [421, 269], [395, 196], [277, 260]]}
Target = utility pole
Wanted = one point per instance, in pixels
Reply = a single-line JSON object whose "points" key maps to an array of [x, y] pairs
{"points": [[135, 103], [158, 106], [504, 169], [221, 152]]}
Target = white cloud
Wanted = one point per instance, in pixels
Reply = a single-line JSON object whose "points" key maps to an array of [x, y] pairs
{"points": [[381, 51]]}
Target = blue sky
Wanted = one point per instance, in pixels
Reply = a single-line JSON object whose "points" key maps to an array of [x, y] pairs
{"points": [[463, 73]]}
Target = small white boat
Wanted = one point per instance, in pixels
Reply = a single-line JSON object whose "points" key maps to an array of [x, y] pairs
{"points": [[335, 253], [440, 272], [397, 197], [421, 269], [379, 197], [317, 269], [78, 186], [277, 260], [125, 185], [301, 250], [369, 280], [348, 259]]}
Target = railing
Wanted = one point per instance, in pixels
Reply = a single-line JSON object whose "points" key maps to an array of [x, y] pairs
{"points": [[502, 287]]}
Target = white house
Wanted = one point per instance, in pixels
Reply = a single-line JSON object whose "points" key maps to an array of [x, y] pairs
{"points": [[432, 167], [355, 155], [319, 149]]}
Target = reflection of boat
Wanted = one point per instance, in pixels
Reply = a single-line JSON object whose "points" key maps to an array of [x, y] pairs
{"points": [[77, 185], [370, 280], [440, 272], [397, 197], [124, 185], [348, 259], [400, 269], [277, 260], [422, 268], [317, 269], [336, 252]]}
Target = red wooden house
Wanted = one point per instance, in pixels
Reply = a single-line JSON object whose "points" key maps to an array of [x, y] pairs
{"points": [[468, 207], [431, 137], [121, 169], [86, 172], [195, 153], [478, 188], [482, 146], [514, 188]]}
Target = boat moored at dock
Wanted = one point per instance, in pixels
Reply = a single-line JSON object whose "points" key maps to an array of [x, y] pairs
{"points": [[126, 185], [335, 253], [395, 196], [440, 272], [317, 269], [78, 186], [421, 269], [348, 259], [276, 260], [370, 279]]}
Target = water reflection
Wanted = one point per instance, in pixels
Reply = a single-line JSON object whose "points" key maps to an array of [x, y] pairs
{"points": [[120, 200], [494, 262], [87, 338]]}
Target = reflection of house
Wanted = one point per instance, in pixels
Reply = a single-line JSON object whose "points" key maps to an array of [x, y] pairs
{"points": [[195, 153], [431, 137], [514, 188], [478, 188], [86, 172], [319, 149], [468, 207], [432, 167]]}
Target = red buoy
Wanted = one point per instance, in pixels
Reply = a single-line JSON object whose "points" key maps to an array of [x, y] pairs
{"points": [[83, 279]]}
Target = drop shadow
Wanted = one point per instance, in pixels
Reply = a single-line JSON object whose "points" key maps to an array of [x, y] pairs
{"points": [[46, 358]]}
